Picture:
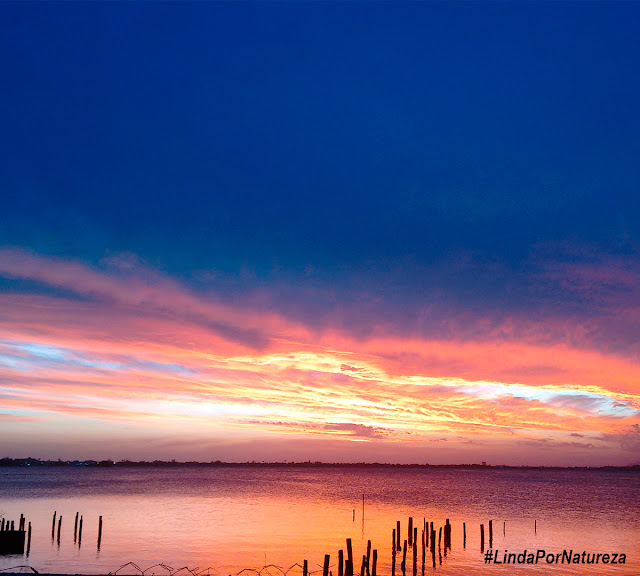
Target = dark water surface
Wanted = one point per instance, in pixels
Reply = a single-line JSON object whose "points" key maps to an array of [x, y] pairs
{"points": [[234, 518]]}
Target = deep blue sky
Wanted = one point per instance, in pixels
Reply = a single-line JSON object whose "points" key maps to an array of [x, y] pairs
{"points": [[378, 147], [228, 225]]}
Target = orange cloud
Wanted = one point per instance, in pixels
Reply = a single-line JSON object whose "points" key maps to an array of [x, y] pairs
{"points": [[135, 348]]}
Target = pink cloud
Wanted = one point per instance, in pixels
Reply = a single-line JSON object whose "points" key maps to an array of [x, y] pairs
{"points": [[139, 348]]}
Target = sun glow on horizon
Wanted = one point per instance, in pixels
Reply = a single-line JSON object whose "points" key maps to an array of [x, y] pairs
{"points": [[111, 362]]}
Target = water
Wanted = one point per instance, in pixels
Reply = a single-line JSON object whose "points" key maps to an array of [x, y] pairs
{"points": [[228, 519]]}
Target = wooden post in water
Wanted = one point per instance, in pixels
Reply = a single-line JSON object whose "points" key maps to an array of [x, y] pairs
{"points": [[393, 553], [374, 562], [29, 540], [2, 526], [363, 566], [427, 532], [398, 535], [439, 536], [305, 568], [415, 552], [13, 525], [354, 514], [368, 556], [433, 545], [340, 562], [504, 528], [80, 532], [423, 549], [59, 526], [325, 568], [490, 533], [99, 532], [75, 529], [21, 522], [348, 568], [535, 526], [481, 536], [410, 531], [464, 534], [53, 527], [403, 565]]}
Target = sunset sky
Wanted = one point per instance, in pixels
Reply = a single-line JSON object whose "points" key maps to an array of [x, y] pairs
{"points": [[320, 231]]}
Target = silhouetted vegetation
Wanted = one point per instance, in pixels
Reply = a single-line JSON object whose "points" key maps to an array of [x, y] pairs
{"points": [[36, 462]]}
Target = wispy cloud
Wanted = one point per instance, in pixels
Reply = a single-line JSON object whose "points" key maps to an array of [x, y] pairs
{"points": [[126, 344]]}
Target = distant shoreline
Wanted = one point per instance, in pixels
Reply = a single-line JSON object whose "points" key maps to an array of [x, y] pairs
{"points": [[36, 463]]}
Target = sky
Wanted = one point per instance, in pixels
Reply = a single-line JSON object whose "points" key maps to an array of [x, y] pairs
{"points": [[380, 232]]}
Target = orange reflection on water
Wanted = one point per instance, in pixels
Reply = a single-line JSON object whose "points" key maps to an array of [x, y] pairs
{"points": [[230, 519]]}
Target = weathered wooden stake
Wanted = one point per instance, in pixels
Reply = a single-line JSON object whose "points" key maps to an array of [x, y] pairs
{"points": [[504, 528], [305, 568], [464, 534], [368, 556], [348, 568], [363, 566], [490, 533], [13, 525], [75, 529], [29, 540], [80, 532], [99, 532], [403, 565], [423, 549], [325, 568], [535, 526], [410, 531], [59, 526], [374, 562], [433, 546], [2, 526], [21, 523], [53, 526], [439, 536], [340, 562], [415, 552], [393, 556], [481, 536], [354, 514]]}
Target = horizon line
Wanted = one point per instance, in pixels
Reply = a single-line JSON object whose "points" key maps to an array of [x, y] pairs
{"points": [[20, 462]]}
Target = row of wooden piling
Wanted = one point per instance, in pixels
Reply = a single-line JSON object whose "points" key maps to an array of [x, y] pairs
{"points": [[368, 567], [429, 543], [6, 525], [14, 541], [77, 529]]}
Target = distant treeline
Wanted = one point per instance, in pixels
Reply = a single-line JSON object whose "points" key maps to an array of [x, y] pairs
{"points": [[218, 464]]}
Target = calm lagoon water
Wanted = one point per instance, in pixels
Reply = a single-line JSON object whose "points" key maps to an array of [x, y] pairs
{"points": [[234, 518]]}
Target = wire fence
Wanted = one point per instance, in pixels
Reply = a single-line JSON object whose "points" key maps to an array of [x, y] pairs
{"points": [[160, 569]]}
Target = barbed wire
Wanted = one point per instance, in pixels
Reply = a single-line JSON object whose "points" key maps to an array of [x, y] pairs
{"points": [[166, 570]]}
